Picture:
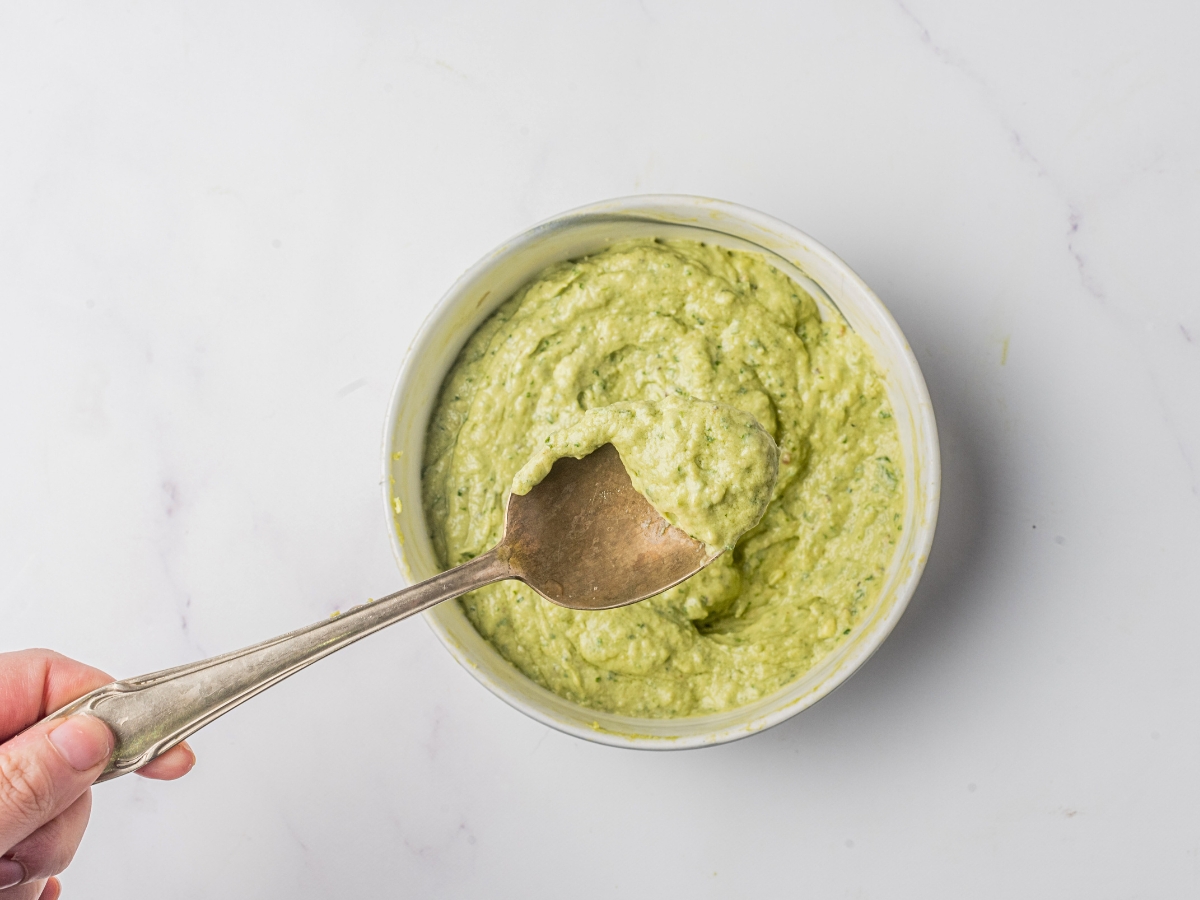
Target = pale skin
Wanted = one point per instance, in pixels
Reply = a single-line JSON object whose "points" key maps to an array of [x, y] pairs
{"points": [[46, 772]]}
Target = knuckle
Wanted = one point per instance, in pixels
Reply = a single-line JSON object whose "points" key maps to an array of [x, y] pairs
{"points": [[43, 855], [26, 788], [51, 848]]}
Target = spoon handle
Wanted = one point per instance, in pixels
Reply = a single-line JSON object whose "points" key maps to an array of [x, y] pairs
{"points": [[150, 714]]}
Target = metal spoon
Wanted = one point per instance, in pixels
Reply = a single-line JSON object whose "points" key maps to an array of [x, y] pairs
{"points": [[583, 538]]}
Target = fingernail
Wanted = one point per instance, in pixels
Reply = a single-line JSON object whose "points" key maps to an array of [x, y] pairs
{"points": [[83, 741], [11, 873]]}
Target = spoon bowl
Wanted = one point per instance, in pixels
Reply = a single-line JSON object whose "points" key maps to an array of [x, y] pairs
{"points": [[584, 537]]}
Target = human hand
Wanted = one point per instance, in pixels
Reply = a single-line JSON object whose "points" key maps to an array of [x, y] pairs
{"points": [[46, 773]]}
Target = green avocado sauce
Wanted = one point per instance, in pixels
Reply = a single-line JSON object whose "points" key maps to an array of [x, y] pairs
{"points": [[709, 469], [658, 346]]}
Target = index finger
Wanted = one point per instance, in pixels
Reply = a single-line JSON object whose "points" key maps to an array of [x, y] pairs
{"points": [[34, 683]]}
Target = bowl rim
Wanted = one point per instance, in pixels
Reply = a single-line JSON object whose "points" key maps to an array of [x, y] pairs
{"points": [[700, 209]]}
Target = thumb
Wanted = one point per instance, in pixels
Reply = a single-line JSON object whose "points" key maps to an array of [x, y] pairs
{"points": [[45, 769]]}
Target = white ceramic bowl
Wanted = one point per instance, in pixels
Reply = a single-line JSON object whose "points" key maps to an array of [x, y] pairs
{"points": [[497, 277]]}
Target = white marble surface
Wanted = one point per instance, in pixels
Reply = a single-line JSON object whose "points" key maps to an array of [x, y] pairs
{"points": [[220, 225]]}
